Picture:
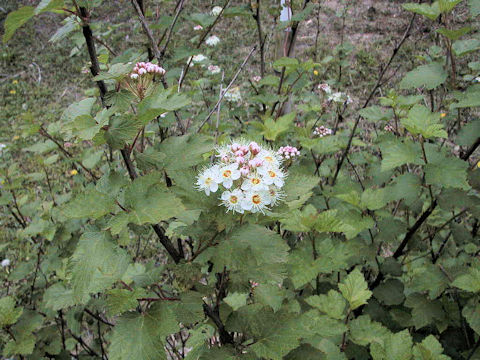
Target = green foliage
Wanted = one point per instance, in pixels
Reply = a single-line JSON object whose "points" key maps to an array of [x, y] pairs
{"points": [[109, 250]]}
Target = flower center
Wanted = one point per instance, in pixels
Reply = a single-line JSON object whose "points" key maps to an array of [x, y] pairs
{"points": [[271, 173], [255, 181], [227, 173], [208, 181], [272, 192], [233, 199], [268, 158], [256, 199]]}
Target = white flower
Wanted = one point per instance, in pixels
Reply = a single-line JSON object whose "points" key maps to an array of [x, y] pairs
{"points": [[214, 69], [2, 146], [228, 174], [477, 79], [254, 182], [336, 97], [208, 180], [198, 27], [269, 158], [212, 40], [325, 87], [5, 262], [216, 11], [275, 195], [256, 201], [232, 200], [233, 94], [196, 59], [272, 176]]}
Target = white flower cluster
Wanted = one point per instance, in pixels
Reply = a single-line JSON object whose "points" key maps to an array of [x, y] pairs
{"points": [[389, 128], [196, 59], [142, 68], [288, 152], [216, 10], [337, 97], [233, 94], [212, 40], [5, 263], [214, 69], [251, 175], [322, 131]]}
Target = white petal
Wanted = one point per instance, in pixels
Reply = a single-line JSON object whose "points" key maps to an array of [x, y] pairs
{"points": [[213, 187], [228, 183]]}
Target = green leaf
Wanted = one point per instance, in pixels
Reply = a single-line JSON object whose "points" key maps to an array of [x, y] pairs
{"points": [[96, 264], [446, 6], [464, 47], [471, 312], [83, 107], [390, 292], [16, 19], [429, 349], [374, 199], [277, 341], [274, 128], [397, 152], [454, 34], [430, 11], [285, 62], [20, 346], [354, 288], [395, 347], [121, 300], [141, 336], [122, 130], [469, 98], [90, 204], [116, 72], [159, 102], [332, 304], [236, 300], [375, 114], [364, 331], [149, 201], [57, 297], [470, 281], [270, 295], [9, 314], [449, 172], [70, 25], [183, 152], [424, 311], [48, 5], [430, 75], [422, 121]]}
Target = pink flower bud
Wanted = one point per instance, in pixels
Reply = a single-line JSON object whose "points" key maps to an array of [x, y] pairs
{"points": [[240, 160], [235, 147], [244, 149], [239, 153], [245, 170], [254, 148], [225, 158]]}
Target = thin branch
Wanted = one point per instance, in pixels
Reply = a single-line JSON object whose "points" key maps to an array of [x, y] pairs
{"points": [[226, 89], [170, 30], [370, 96]]}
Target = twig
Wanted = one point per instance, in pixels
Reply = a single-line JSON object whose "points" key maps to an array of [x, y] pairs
{"points": [[226, 89], [370, 96], [170, 30]]}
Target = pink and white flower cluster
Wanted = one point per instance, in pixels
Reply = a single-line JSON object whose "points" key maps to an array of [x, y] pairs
{"points": [[249, 175], [288, 152], [322, 131], [142, 68]]}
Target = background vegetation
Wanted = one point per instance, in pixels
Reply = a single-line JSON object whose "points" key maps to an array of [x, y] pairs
{"points": [[109, 252]]}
